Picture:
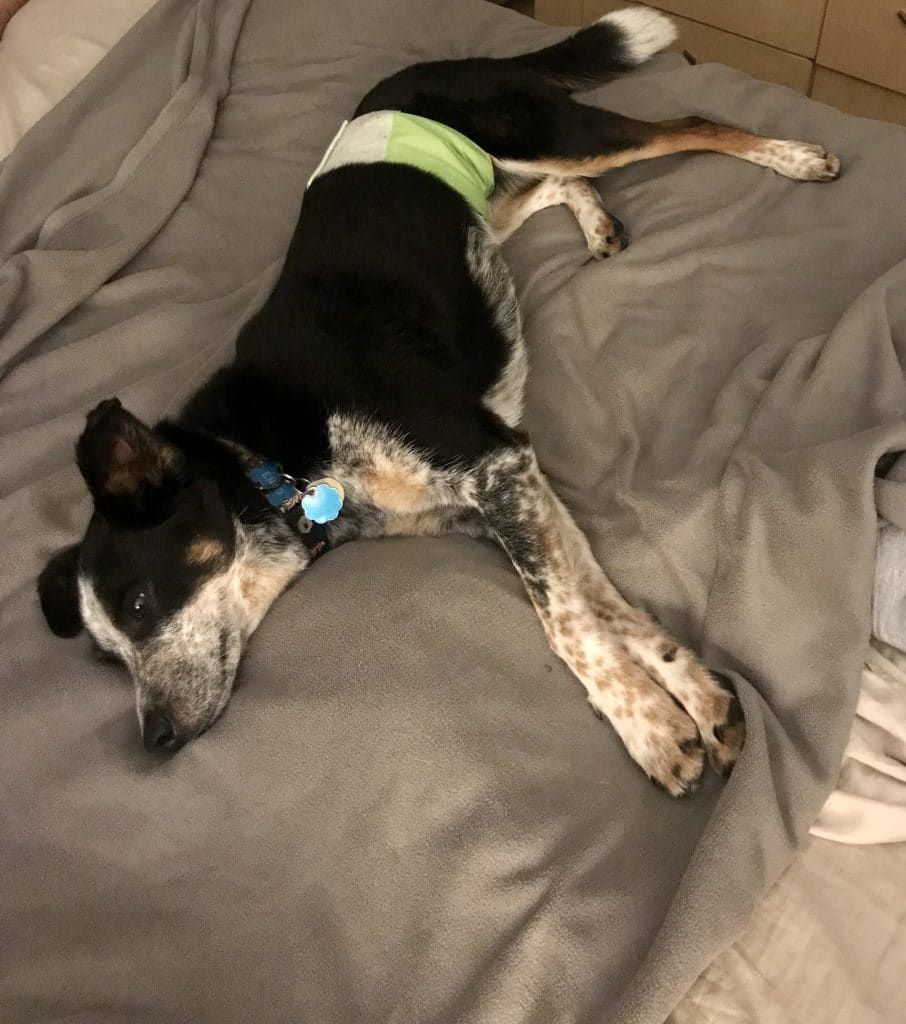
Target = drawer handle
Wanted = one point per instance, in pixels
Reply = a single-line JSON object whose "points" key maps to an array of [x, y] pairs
{"points": [[902, 16], [692, 59]]}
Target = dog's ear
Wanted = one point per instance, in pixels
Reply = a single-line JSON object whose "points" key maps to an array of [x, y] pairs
{"points": [[59, 593], [130, 470]]}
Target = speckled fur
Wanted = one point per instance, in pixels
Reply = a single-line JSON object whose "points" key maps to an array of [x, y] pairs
{"points": [[600, 636], [492, 275]]}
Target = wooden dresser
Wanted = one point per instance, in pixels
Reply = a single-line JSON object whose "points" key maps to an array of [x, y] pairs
{"points": [[848, 53]]}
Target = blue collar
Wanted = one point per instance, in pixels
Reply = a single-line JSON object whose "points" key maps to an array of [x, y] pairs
{"points": [[306, 511]]}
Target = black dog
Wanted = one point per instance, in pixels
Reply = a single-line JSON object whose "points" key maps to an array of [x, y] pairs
{"points": [[387, 371]]}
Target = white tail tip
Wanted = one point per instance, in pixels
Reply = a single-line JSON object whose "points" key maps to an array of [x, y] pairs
{"points": [[645, 32]]}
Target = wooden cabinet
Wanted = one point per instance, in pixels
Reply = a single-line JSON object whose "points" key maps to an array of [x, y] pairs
{"points": [[792, 25], [848, 53], [706, 44], [866, 39], [857, 97]]}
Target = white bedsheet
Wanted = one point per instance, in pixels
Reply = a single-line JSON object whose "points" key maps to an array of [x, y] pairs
{"points": [[47, 49], [826, 946], [868, 804]]}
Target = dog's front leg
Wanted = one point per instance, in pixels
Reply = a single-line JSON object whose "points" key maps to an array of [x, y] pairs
{"points": [[583, 616]]}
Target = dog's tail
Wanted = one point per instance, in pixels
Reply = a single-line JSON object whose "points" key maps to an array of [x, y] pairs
{"points": [[615, 44]]}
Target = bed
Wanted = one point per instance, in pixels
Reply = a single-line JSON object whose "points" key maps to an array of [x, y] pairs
{"points": [[408, 813]]}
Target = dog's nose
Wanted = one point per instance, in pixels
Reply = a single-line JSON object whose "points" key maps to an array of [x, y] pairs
{"points": [[159, 733]]}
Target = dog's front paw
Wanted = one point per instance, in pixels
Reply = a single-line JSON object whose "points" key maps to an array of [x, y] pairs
{"points": [[674, 758], [660, 737], [713, 705], [707, 698], [727, 732]]}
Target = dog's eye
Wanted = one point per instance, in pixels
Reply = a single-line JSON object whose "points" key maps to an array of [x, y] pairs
{"points": [[138, 613], [138, 605]]}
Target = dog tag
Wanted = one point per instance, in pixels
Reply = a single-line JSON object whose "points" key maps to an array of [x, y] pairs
{"points": [[323, 500], [284, 497], [266, 476]]}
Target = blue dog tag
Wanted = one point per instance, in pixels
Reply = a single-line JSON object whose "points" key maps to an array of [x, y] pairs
{"points": [[323, 500], [266, 476], [283, 495]]}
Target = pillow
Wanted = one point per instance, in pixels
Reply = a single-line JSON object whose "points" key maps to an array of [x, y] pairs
{"points": [[7, 9], [47, 48]]}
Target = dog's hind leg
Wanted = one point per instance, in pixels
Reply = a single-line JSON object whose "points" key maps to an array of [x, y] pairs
{"points": [[588, 142], [584, 142], [610, 646], [517, 199]]}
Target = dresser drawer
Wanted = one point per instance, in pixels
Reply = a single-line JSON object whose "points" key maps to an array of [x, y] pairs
{"points": [[708, 45], [867, 39], [857, 97], [793, 25]]}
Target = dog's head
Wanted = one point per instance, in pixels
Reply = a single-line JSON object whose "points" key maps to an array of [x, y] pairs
{"points": [[167, 578]]}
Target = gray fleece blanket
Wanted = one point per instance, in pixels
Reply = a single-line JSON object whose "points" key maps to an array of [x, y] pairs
{"points": [[408, 812]]}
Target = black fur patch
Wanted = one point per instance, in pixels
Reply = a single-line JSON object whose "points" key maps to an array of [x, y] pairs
{"points": [[58, 592]]}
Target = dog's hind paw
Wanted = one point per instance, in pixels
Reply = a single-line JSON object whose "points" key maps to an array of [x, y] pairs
{"points": [[606, 237], [800, 161]]}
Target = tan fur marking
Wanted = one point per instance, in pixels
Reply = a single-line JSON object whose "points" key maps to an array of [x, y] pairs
{"points": [[395, 488], [123, 480], [125, 476], [260, 586], [415, 524], [205, 550], [133, 465]]}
